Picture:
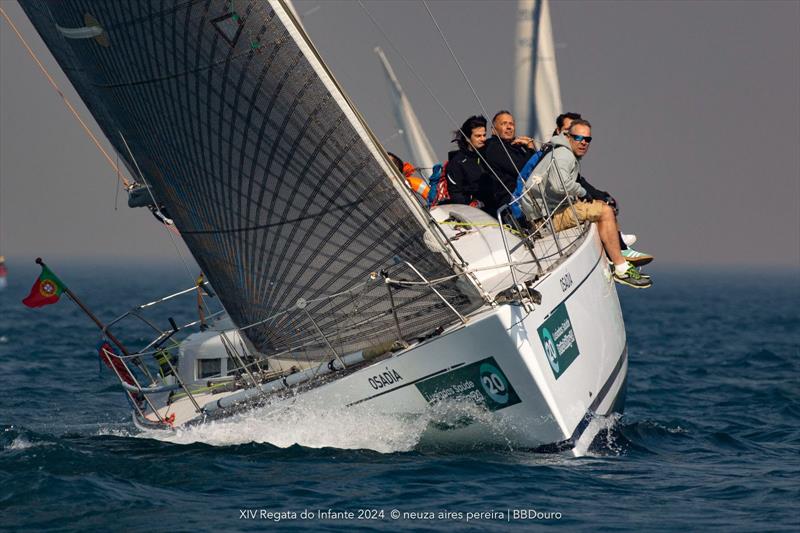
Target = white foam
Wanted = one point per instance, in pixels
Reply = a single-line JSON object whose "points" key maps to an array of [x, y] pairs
{"points": [[596, 425], [115, 431], [308, 425], [21, 443]]}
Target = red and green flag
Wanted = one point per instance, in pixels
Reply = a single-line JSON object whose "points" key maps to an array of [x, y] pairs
{"points": [[47, 289]]}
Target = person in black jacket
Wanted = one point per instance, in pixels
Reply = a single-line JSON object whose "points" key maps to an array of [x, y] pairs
{"points": [[505, 154], [466, 169]]}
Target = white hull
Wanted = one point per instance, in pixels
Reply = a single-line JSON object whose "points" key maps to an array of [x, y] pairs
{"points": [[491, 381]]}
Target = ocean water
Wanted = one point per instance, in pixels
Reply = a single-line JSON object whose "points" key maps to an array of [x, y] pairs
{"points": [[710, 438]]}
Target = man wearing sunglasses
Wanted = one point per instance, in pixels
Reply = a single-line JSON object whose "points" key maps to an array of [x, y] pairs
{"points": [[638, 259], [559, 171]]}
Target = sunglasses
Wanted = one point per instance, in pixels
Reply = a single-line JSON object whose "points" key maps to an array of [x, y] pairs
{"points": [[580, 138]]}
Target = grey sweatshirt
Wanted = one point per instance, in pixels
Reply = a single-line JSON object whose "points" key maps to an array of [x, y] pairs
{"points": [[569, 168]]}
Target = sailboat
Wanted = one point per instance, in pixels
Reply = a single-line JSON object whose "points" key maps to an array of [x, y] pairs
{"points": [[337, 285], [537, 94], [416, 140]]}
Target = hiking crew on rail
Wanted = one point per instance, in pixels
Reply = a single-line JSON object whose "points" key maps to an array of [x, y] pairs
{"points": [[490, 174]]}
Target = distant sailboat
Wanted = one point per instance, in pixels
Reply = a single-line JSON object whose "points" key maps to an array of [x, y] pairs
{"points": [[537, 93], [3, 273], [419, 147]]}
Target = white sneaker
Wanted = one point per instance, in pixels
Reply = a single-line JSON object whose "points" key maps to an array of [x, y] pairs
{"points": [[628, 238]]}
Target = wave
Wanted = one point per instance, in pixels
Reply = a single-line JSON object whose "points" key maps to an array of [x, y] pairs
{"points": [[444, 427], [13, 438], [306, 424]]}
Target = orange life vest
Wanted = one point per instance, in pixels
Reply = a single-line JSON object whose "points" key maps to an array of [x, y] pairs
{"points": [[419, 186]]}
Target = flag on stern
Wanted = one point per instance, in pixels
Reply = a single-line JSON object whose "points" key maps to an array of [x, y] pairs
{"points": [[47, 289]]}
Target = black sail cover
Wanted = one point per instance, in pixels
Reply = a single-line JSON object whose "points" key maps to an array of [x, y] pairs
{"points": [[277, 187]]}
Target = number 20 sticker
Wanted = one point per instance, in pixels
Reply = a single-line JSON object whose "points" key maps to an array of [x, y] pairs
{"points": [[494, 383]]}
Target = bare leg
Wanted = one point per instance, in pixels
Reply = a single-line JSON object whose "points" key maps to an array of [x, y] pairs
{"points": [[609, 234]]}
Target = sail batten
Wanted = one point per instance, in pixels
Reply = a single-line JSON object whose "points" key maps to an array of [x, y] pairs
{"points": [[278, 187]]}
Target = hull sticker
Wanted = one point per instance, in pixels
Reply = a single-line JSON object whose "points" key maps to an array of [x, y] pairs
{"points": [[482, 382], [558, 340]]}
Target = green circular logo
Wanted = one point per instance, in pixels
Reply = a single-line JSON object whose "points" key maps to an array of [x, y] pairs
{"points": [[550, 349], [494, 383]]}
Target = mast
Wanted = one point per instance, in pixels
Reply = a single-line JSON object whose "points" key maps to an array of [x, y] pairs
{"points": [[537, 94], [419, 147]]}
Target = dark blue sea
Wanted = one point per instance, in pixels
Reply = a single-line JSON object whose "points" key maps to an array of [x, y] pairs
{"points": [[710, 438]]}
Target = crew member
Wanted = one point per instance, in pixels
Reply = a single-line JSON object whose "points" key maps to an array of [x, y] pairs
{"points": [[559, 170], [467, 176], [563, 122], [505, 154]]}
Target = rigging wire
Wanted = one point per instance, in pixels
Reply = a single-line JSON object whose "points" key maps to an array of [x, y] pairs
{"points": [[353, 82], [117, 187], [114, 164], [466, 78], [63, 97], [167, 228], [428, 89]]}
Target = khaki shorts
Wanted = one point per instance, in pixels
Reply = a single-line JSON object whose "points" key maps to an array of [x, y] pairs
{"points": [[591, 211]]}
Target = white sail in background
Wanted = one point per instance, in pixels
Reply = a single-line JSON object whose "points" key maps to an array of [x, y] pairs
{"points": [[419, 147], [537, 94]]}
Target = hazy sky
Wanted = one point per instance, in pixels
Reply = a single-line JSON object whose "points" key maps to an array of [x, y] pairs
{"points": [[695, 108]]}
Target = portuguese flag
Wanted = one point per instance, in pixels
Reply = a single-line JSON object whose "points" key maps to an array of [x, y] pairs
{"points": [[47, 289]]}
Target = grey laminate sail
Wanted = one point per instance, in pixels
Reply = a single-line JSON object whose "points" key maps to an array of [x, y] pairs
{"points": [[269, 173]]}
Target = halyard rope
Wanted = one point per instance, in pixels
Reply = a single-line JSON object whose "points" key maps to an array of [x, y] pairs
{"points": [[114, 165], [64, 98]]}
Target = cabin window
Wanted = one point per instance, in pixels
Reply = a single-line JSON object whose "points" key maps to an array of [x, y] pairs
{"points": [[207, 368]]}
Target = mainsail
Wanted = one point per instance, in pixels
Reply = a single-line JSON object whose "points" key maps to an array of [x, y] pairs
{"points": [[537, 94], [419, 147], [279, 189]]}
